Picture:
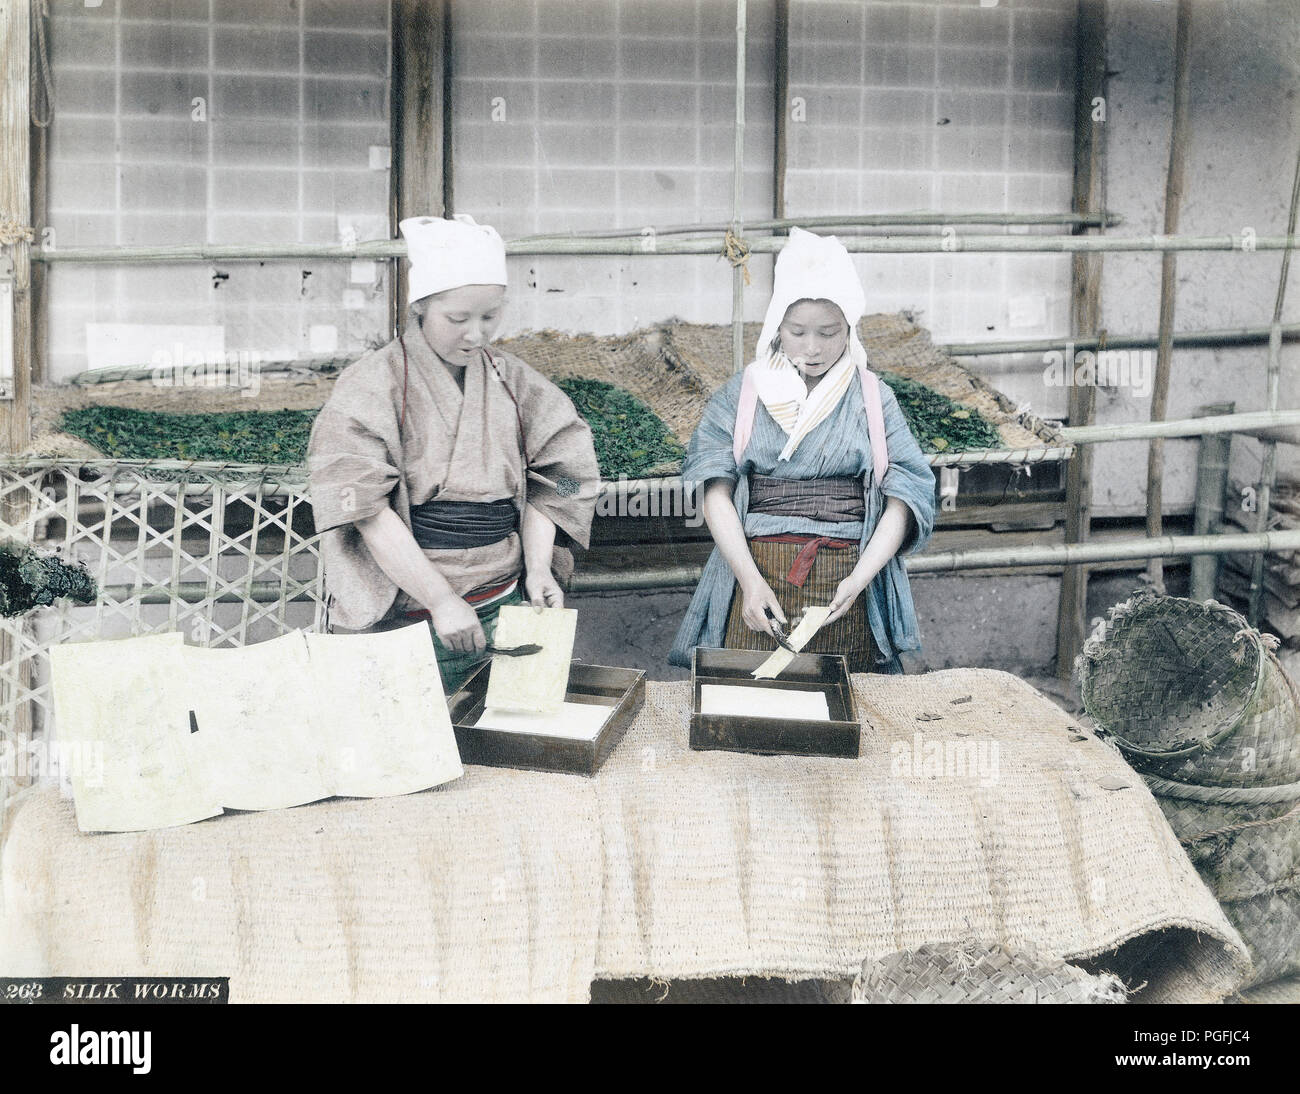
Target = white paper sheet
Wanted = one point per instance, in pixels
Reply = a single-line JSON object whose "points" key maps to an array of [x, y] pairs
{"points": [[280, 723], [383, 712], [809, 625], [120, 699], [256, 708], [536, 683], [808, 706], [573, 721]]}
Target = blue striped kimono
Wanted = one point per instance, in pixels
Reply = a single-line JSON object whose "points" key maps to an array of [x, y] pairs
{"points": [[837, 447]]}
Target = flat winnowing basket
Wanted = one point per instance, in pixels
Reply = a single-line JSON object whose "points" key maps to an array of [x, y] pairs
{"points": [[979, 972], [1192, 693]]}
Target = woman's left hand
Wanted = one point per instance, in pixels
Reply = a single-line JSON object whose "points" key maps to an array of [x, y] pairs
{"points": [[543, 590], [845, 594]]}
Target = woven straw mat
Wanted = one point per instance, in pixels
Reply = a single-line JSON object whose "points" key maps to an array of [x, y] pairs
{"points": [[972, 972], [672, 367], [670, 864]]}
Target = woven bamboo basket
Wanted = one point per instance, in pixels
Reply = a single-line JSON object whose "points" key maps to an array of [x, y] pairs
{"points": [[1192, 693], [1199, 703], [1249, 855], [979, 972]]}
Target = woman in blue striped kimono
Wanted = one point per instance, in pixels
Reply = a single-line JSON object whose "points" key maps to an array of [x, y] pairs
{"points": [[809, 479]]}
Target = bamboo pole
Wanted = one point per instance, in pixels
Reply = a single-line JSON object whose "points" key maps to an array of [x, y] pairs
{"points": [[738, 272], [922, 219], [1211, 482], [635, 245], [1209, 338], [1269, 470], [1085, 318], [1168, 277], [1253, 421], [944, 562], [1236, 336]]}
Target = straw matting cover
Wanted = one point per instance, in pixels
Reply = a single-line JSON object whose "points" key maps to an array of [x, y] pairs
{"points": [[485, 890], [975, 972], [632, 362], [670, 864], [673, 368], [726, 864], [1191, 693]]}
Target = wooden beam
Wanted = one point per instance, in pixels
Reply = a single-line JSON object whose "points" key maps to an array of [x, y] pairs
{"points": [[1168, 277], [780, 102], [418, 137], [1085, 316]]}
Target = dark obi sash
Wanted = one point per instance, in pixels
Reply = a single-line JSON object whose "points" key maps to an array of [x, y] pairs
{"points": [[835, 500], [446, 525]]}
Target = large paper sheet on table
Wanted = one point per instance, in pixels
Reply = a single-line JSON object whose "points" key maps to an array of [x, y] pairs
{"points": [[119, 702], [188, 731]]}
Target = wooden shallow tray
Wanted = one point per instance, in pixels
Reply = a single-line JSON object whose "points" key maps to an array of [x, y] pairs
{"points": [[827, 673], [596, 684]]}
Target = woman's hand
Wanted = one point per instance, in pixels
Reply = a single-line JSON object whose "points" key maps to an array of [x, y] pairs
{"points": [[758, 596], [543, 590], [457, 625], [846, 592]]}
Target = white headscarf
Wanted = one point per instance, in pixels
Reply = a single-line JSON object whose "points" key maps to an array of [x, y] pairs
{"points": [[809, 267], [446, 254]]}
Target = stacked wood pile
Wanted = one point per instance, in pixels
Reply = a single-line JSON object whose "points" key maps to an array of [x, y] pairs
{"points": [[1281, 568]]}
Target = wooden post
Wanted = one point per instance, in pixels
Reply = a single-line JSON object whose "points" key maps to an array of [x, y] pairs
{"points": [[1168, 279], [737, 195], [15, 204], [419, 139], [1085, 317], [780, 102]]}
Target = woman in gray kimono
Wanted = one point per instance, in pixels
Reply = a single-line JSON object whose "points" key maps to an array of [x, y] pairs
{"points": [[444, 472], [809, 480]]}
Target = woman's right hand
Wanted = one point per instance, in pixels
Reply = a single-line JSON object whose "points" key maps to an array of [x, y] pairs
{"points": [[458, 626], [757, 596]]}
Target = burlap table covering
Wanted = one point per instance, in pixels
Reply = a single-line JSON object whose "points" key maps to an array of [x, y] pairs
{"points": [[714, 864], [485, 890]]}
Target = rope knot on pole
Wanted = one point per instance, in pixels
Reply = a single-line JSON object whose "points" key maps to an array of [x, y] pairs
{"points": [[11, 232], [736, 250]]}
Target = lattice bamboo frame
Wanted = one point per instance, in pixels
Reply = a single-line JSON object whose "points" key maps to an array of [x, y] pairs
{"points": [[186, 536]]}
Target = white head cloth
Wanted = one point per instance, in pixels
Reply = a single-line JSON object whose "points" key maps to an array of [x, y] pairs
{"points": [[809, 267], [813, 267], [446, 254]]}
